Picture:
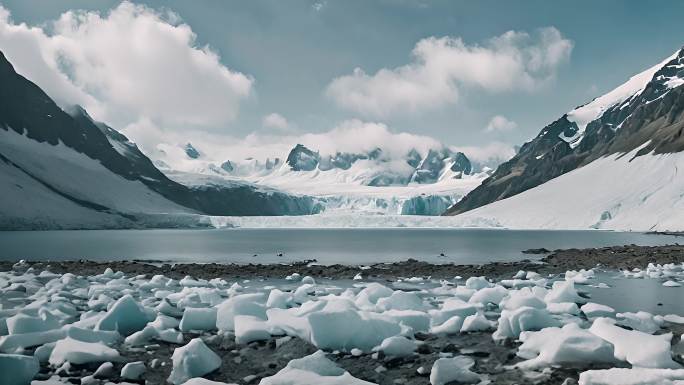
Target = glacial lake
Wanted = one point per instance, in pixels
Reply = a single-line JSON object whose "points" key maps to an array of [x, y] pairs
{"points": [[327, 246]]}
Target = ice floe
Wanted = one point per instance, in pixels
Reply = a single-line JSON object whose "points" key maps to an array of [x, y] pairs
{"points": [[457, 369], [17, 369], [641, 321], [622, 376], [638, 348], [79, 352], [514, 322], [567, 345], [133, 370], [312, 369], [595, 310], [62, 321], [126, 316], [397, 346], [192, 360]]}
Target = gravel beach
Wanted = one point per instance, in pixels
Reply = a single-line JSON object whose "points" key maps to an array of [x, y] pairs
{"points": [[247, 363]]}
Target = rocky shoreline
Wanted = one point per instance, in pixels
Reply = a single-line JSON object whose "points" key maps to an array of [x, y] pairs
{"points": [[558, 261], [495, 361]]}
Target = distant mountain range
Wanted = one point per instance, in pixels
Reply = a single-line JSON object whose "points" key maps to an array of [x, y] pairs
{"points": [[62, 169], [65, 170], [413, 167], [612, 163], [377, 181], [427, 169]]}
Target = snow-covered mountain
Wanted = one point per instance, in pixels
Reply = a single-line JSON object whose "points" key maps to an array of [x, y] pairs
{"points": [[611, 163], [377, 181], [64, 170]]}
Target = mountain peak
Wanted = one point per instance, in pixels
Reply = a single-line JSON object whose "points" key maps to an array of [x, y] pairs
{"points": [[5, 65], [643, 114], [302, 158], [585, 114], [191, 151]]}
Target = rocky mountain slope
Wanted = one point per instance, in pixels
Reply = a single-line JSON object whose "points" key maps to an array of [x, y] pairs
{"points": [[64, 170], [631, 136]]}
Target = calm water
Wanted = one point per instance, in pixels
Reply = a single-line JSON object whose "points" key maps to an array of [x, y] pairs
{"points": [[632, 295], [351, 246]]}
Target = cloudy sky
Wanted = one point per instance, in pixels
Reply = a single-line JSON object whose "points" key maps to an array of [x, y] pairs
{"points": [[467, 73]]}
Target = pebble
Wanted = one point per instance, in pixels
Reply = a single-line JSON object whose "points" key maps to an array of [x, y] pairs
{"points": [[249, 378], [282, 340]]}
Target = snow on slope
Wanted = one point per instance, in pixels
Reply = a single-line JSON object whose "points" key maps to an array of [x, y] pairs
{"points": [[352, 182], [591, 111], [644, 194], [345, 191], [73, 174], [342, 191], [28, 203]]}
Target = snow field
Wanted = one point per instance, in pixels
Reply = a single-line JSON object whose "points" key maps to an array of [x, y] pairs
{"points": [[648, 198]]}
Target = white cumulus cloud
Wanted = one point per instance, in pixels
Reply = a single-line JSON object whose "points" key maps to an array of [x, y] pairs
{"points": [[351, 136], [356, 136], [276, 121], [500, 123], [440, 66], [490, 154], [129, 65], [318, 6]]}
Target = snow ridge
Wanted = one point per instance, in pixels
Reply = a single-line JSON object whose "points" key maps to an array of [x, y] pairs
{"points": [[620, 96]]}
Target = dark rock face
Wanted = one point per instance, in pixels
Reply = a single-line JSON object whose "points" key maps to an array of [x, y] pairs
{"points": [[26, 109], [413, 158], [301, 158], [653, 119], [538, 161], [430, 167], [461, 163], [426, 170], [341, 160], [191, 151], [227, 166]]}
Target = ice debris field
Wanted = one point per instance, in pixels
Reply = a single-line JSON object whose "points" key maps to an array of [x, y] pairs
{"points": [[116, 329]]}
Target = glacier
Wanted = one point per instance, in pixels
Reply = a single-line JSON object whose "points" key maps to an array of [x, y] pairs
{"points": [[625, 193], [340, 191]]}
